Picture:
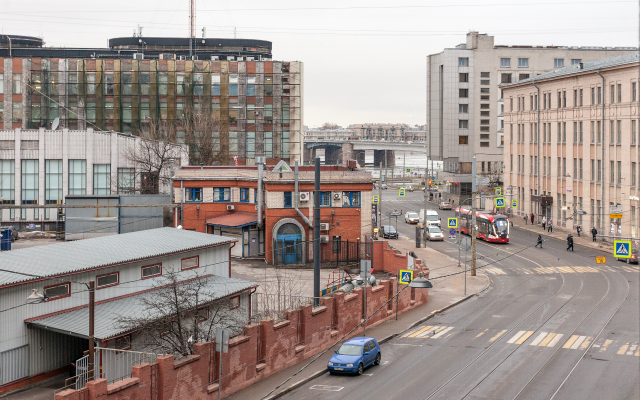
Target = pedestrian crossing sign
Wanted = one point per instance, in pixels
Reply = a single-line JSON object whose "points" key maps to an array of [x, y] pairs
{"points": [[499, 201], [406, 276], [401, 193], [408, 170], [376, 199], [498, 191], [452, 222], [514, 203], [622, 248]]}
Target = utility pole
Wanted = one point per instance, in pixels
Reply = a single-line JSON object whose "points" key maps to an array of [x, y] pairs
{"points": [[92, 298], [379, 205], [426, 198], [473, 218], [316, 237], [404, 166]]}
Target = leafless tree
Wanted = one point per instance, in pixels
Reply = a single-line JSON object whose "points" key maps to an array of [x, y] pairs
{"points": [[203, 134], [284, 291], [330, 125], [177, 314]]}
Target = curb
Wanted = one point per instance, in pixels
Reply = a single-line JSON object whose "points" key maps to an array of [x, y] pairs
{"points": [[297, 384]]}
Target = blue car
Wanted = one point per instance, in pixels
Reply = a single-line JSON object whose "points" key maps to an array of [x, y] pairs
{"points": [[355, 355]]}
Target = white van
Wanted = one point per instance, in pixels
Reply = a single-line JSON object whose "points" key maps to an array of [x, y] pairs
{"points": [[432, 217]]}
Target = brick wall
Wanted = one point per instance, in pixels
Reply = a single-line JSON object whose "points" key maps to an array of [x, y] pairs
{"points": [[259, 352]]}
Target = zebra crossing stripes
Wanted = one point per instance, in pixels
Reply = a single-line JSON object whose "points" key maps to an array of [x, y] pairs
{"points": [[429, 332], [495, 271], [520, 337], [563, 270]]}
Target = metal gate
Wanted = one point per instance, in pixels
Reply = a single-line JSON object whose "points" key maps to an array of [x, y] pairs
{"points": [[82, 372], [14, 364]]}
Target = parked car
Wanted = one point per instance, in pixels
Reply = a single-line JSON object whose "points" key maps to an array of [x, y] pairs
{"points": [[388, 232], [632, 260], [14, 232], [411, 218], [408, 188], [434, 233], [355, 355], [384, 186], [445, 205]]}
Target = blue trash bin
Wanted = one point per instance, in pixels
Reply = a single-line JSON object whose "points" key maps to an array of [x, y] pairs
{"points": [[5, 242]]}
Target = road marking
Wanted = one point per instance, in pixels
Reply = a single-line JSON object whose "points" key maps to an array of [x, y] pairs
{"points": [[605, 345], [631, 349], [538, 339], [368, 374], [386, 362], [493, 339], [481, 333], [555, 340], [548, 339], [516, 337], [406, 344], [419, 331], [570, 342], [441, 333], [567, 269], [496, 271], [325, 387], [578, 342], [637, 353], [428, 331], [624, 348], [411, 332], [524, 337], [586, 342]]}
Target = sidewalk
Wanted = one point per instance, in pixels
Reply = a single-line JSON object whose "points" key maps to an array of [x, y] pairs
{"points": [[447, 292]]}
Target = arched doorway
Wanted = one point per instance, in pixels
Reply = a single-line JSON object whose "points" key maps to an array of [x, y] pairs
{"points": [[289, 242]]}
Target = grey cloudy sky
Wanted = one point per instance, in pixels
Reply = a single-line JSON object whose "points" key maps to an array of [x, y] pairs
{"points": [[365, 61]]}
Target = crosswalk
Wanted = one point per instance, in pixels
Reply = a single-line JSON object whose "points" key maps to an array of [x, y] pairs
{"points": [[559, 270], [532, 339]]}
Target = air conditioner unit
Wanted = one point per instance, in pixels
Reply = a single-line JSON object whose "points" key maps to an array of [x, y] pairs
{"points": [[337, 195], [231, 207], [138, 56], [324, 238], [304, 196], [324, 226], [215, 58], [183, 58]]}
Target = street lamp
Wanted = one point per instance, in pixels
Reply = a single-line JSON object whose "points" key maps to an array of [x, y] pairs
{"points": [[338, 157], [35, 297], [142, 42]]}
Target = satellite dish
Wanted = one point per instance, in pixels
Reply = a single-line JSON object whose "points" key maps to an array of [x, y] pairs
{"points": [[55, 123]]}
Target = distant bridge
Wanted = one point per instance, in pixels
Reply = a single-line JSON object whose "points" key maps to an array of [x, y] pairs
{"points": [[335, 150]]}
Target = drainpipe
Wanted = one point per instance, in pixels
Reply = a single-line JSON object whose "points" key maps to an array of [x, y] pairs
{"points": [[259, 162], [181, 201], [538, 140], [602, 155], [297, 197]]}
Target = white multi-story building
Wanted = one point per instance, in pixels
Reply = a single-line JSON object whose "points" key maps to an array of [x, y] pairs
{"points": [[464, 101], [39, 167]]}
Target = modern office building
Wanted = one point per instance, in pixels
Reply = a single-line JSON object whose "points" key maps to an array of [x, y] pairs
{"points": [[255, 103], [40, 167], [572, 144], [464, 100]]}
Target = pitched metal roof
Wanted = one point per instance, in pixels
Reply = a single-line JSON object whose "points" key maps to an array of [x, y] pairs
{"points": [[67, 257], [586, 66], [234, 220], [108, 313]]}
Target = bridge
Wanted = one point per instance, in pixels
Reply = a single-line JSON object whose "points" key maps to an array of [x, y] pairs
{"points": [[339, 151]]}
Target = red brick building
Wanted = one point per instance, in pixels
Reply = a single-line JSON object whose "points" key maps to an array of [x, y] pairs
{"points": [[224, 200]]}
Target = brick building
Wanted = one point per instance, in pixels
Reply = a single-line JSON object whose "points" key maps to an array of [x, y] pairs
{"points": [[224, 200]]}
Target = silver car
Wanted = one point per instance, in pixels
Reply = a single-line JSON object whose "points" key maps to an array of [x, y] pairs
{"points": [[434, 233]]}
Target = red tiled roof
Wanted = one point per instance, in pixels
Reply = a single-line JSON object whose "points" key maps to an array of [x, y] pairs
{"points": [[234, 220]]}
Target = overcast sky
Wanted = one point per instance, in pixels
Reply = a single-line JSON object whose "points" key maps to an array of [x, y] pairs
{"points": [[365, 61]]}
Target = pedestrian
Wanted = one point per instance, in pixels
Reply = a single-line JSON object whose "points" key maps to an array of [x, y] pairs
{"points": [[570, 242], [525, 219], [594, 232], [540, 240], [544, 222], [532, 217], [579, 229], [550, 226]]}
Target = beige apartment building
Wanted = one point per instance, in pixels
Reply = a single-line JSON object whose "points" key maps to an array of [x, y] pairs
{"points": [[571, 144]]}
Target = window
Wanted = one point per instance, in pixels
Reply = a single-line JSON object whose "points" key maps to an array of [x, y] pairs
{"points": [[108, 83], [463, 61], [633, 174], [287, 199], [505, 78], [163, 83], [599, 95], [463, 124], [53, 183], [619, 93], [612, 131], [599, 131], [612, 172], [599, 175], [575, 168], [215, 85], [351, 199], [511, 163], [581, 98], [634, 93], [484, 144], [190, 262], [523, 63], [593, 170], [463, 108], [505, 63], [17, 112], [325, 199], [58, 291], [511, 104], [558, 62], [564, 99], [593, 96], [193, 194], [151, 270], [234, 302], [101, 179], [463, 139], [575, 61], [463, 77], [463, 93], [581, 131], [202, 314], [619, 175], [77, 177], [123, 342], [564, 132], [221, 194], [559, 99], [233, 85], [575, 132], [485, 74], [110, 279], [613, 94], [7, 182], [485, 82], [17, 87], [633, 131], [30, 183], [126, 180], [244, 195], [255, 196], [1, 83], [619, 132]]}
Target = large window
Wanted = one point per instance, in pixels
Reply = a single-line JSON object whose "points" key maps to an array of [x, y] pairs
{"points": [[505, 78], [58, 291], [215, 85], [523, 63], [1, 83], [151, 270], [463, 108], [190, 262], [193, 194], [351, 199], [288, 199], [17, 112], [558, 62], [325, 199], [53, 184], [126, 180], [7, 182], [463, 139], [463, 77], [106, 280], [30, 182], [233, 85], [101, 179], [17, 80], [244, 195], [77, 177], [463, 93], [222, 194], [463, 124], [505, 63], [463, 61]]}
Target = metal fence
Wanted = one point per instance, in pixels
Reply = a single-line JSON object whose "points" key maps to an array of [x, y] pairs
{"points": [[334, 253], [274, 306]]}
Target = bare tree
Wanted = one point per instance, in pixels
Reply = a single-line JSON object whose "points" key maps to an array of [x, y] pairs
{"points": [[286, 290], [330, 125], [178, 314], [204, 136]]}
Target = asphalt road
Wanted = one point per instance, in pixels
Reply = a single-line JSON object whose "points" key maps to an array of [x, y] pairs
{"points": [[553, 325]]}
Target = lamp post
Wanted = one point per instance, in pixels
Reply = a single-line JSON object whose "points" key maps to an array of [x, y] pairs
{"points": [[338, 157]]}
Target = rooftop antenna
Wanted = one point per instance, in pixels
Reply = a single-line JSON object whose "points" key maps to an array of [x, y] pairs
{"points": [[192, 19], [140, 30], [55, 123], [204, 32], [234, 32]]}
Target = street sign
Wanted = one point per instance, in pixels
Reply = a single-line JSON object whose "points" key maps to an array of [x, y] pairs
{"points": [[401, 193], [498, 191], [406, 276], [407, 170], [433, 178], [614, 216], [32, 226], [465, 244], [499, 202], [222, 340], [514, 203], [452, 222], [383, 178], [622, 248], [615, 209], [376, 199], [452, 232], [601, 260]]}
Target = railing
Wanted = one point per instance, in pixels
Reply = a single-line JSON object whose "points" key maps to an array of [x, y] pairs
{"points": [[274, 306]]}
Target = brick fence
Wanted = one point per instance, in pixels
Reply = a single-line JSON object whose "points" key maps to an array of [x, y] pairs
{"points": [[261, 351]]}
